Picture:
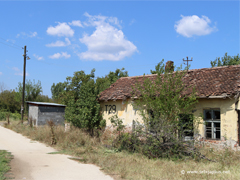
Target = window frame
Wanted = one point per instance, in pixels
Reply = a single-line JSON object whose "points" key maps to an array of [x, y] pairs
{"points": [[213, 121], [186, 126]]}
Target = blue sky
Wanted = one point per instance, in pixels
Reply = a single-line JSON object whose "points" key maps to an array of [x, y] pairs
{"points": [[64, 37]]}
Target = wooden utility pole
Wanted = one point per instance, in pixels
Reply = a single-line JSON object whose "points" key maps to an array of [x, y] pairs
{"points": [[187, 62], [23, 89]]}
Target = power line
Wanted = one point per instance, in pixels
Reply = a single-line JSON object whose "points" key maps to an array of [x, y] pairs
{"points": [[105, 67], [10, 42], [11, 46]]}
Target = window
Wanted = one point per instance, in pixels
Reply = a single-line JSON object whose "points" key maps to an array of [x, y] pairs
{"points": [[186, 125], [212, 123]]}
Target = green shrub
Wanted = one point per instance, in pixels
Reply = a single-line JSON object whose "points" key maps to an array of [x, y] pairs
{"points": [[15, 116], [2, 116]]}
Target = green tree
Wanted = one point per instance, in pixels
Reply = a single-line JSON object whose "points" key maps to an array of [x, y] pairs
{"points": [[9, 101], [161, 103], [32, 90], [159, 69], [103, 83], [57, 89], [226, 60], [80, 96]]}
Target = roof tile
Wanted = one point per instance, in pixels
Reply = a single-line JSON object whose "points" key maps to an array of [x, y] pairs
{"points": [[207, 81]]}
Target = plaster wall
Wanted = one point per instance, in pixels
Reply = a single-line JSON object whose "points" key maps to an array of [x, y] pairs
{"points": [[33, 112], [228, 116], [124, 110]]}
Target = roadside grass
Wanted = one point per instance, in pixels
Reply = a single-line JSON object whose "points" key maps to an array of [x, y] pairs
{"points": [[5, 158], [125, 165]]}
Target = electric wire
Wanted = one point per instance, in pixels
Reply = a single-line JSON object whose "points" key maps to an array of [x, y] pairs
{"points": [[105, 67], [10, 46], [10, 42]]}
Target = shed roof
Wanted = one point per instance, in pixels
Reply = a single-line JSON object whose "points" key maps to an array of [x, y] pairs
{"points": [[209, 82], [44, 103]]}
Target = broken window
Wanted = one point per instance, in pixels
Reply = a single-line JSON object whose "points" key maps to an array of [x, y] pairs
{"points": [[186, 125], [212, 123]]}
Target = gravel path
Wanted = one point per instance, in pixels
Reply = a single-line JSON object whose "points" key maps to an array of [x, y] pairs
{"points": [[32, 161]]}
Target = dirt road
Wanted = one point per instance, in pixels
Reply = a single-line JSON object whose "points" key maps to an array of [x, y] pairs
{"points": [[32, 161]]}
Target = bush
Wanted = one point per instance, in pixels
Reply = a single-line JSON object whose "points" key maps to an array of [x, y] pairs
{"points": [[15, 116], [130, 142], [2, 116]]}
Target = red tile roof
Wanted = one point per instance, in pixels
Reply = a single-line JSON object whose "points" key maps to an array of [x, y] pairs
{"points": [[215, 81]]}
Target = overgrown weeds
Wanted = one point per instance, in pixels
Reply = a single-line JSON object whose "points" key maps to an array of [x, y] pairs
{"points": [[126, 162], [5, 158]]}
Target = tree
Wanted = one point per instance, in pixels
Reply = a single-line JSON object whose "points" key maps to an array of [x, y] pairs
{"points": [[9, 101], [103, 83], [159, 69], [32, 90], [57, 89], [80, 96], [226, 61], [161, 103], [2, 87]]}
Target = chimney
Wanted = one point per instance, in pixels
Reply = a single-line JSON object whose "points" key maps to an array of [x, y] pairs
{"points": [[169, 66]]}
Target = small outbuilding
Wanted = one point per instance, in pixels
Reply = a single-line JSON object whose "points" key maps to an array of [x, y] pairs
{"points": [[41, 112]]}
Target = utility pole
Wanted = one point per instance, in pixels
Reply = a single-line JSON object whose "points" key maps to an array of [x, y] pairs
{"points": [[24, 73], [187, 62]]}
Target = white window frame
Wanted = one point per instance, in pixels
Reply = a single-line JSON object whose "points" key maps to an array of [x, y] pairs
{"points": [[213, 129]]}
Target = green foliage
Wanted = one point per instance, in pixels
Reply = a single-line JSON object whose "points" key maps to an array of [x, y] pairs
{"points": [[5, 158], [9, 101], [130, 142], [103, 83], [57, 89], [83, 109], [32, 90], [4, 114], [159, 69], [226, 61], [80, 94], [118, 123], [160, 103]]}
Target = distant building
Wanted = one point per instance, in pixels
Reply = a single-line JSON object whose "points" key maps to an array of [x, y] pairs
{"points": [[41, 112]]}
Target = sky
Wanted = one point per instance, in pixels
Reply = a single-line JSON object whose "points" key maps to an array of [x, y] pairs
{"points": [[63, 37]]}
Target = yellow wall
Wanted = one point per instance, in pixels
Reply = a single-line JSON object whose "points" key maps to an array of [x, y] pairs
{"points": [[124, 110], [229, 117]]}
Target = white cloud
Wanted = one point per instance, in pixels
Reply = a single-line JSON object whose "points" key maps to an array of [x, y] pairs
{"points": [[189, 26], [76, 23], [60, 43], [60, 55], [18, 72], [107, 42], [15, 69], [11, 41], [132, 21], [62, 29], [38, 57], [99, 20], [1, 73], [31, 34]]}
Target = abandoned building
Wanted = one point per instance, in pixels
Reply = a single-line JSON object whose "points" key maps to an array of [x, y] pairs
{"points": [[218, 106], [41, 112]]}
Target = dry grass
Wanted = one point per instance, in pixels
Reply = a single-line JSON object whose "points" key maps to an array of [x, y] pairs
{"points": [[123, 165]]}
